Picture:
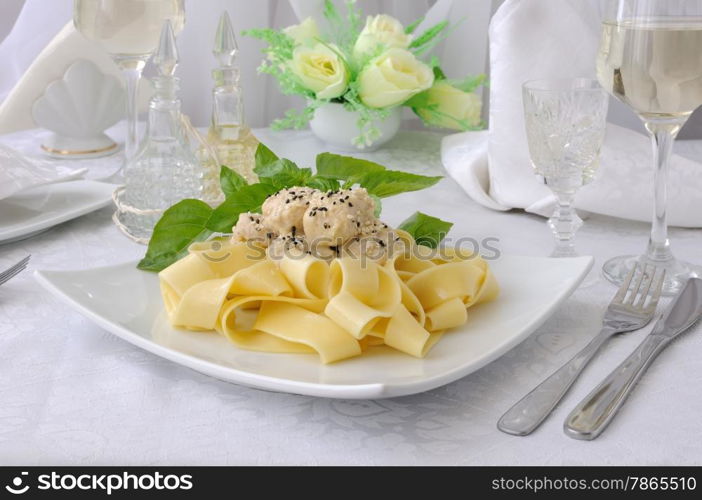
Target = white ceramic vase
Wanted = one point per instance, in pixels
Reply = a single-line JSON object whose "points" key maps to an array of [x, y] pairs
{"points": [[77, 109], [337, 127]]}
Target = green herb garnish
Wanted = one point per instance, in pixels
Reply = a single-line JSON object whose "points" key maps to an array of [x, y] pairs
{"points": [[425, 229], [189, 221]]}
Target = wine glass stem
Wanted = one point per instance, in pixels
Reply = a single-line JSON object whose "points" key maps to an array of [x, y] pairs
{"points": [[132, 76], [663, 135], [564, 222]]}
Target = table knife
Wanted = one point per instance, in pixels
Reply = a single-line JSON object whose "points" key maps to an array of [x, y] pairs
{"points": [[593, 414]]}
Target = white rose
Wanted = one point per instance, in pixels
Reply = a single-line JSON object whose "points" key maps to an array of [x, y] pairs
{"points": [[450, 107], [381, 30], [320, 70], [392, 78], [303, 33]]}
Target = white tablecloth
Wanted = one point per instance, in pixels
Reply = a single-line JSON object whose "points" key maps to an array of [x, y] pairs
{"points": [[71, 393]]}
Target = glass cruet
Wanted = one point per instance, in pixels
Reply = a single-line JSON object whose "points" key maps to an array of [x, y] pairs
{"points": [[165, 170]]}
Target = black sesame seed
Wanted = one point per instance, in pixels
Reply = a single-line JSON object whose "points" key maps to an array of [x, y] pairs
{"points": [[350, 204]]}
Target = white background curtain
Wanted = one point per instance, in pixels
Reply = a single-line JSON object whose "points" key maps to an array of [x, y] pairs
{"points": [[464, 52]]}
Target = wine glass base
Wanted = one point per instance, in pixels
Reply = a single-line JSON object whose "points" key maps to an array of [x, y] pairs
{"points": [[677, 272]]}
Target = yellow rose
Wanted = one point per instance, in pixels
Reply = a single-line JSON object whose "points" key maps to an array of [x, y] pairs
{"points": [[392, 78], [449, 107], [303, 33], [320, 70], [381, 29]]}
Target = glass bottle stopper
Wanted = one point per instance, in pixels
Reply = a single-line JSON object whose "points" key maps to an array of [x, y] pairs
{"points": [[225, 47]]}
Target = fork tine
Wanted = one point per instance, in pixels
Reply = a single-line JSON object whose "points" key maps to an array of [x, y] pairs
{"points": [[646, 286], [657, 290], [21, 263], [11, 275], [624, 287], [637, 286], [9, 270], [14, 268]]}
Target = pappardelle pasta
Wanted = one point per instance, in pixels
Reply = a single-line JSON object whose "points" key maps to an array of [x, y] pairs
{"points": [[337, 307]]}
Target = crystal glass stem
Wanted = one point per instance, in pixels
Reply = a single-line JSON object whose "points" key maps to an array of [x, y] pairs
{"points": [[565, 221], [132, 68], [663, 133]]}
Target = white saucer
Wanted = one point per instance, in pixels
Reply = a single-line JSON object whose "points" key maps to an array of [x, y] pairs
{"points": [[35, 210]]}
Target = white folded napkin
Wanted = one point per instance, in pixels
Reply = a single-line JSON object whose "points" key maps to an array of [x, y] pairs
{"points": [[494, 167], [17, 172]]}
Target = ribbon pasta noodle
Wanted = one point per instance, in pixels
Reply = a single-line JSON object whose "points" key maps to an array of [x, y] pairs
{"points": [[336, 309]]}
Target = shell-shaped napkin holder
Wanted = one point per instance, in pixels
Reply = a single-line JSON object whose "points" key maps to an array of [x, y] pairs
{"points": [[77, 109]]}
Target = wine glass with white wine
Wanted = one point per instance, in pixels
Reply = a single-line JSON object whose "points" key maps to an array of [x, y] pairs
{"points": [[129, 31], [650, 58]]}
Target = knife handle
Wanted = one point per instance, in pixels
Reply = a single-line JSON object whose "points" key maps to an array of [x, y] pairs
{"points": [[593, 414]]}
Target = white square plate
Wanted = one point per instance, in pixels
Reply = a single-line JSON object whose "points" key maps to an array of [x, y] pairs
{"points": [[37, 209], [127, 302]]}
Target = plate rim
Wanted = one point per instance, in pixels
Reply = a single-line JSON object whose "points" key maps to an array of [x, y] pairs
{"points": [[9, 236], [265, 382]]}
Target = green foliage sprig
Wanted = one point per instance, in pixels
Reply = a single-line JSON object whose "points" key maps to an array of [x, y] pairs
{"points": [[343, 33]]}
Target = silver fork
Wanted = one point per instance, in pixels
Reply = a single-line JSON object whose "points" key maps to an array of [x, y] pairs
{"points": [[631, 308], [13, 271]]}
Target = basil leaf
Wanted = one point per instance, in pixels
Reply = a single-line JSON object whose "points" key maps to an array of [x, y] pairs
{"points": [[425, 229], [179, 226], [378, 205], [247, 199], [392, 182], [263, 156], [284, 173], [230, 181], [189, 221], [322, 183], [374, 177], [344, 168]]}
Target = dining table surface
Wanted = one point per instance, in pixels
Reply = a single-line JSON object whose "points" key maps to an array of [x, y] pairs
{"points": [[73, 394]]}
